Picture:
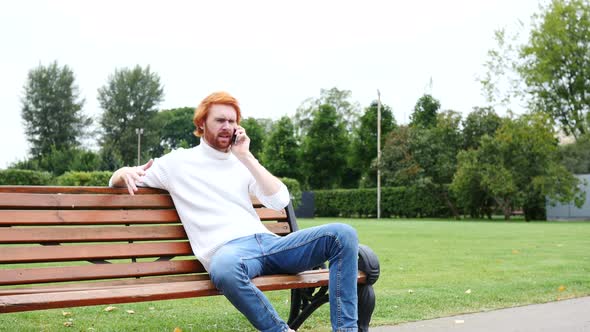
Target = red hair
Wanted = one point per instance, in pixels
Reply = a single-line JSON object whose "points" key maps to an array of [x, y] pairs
{"points": [[202, 110]]}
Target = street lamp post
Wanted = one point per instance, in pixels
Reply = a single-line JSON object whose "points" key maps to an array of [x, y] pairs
{"points": [[139, 132], [378, 154]]}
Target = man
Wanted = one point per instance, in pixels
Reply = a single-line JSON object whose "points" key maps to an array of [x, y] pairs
{"points": [[210, 185]]}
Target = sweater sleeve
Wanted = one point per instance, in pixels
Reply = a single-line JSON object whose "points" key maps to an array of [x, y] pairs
{"points": [[276, 201], [156, 176]]}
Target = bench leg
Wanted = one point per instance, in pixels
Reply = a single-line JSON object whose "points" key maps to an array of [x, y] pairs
{"points": [[366, 305], [368, 263], [304, 302]]}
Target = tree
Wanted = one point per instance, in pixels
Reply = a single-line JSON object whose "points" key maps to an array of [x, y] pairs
{"points": [[519, 167], [425, 156], [281, 150], [52, 110], [481, 121], [347, 110], [466, 186], [557, 64], [424, 115], [435, 150], [364, 145], [576, 156], [324, 149], [257, 134], [129, 100], [502, 84], [175, 130], [398, 166]]}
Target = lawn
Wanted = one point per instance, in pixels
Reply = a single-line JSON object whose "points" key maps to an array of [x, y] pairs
{"points": [[429, 268]]}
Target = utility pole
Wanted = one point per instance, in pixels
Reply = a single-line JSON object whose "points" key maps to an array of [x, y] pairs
{"points": [[378, 154], [139, 132]]}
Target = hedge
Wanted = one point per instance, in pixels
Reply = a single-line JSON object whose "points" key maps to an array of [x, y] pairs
{"points": [[38, 178], [406, 202], [97, 178], [25, 177]]}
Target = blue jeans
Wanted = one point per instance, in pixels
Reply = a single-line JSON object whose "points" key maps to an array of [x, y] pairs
{"points": [[237, 262]]}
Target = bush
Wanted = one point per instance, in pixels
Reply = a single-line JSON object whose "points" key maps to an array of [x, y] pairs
{"points": [[294, 189], [84, 178], [24, 177], [413, 201]]}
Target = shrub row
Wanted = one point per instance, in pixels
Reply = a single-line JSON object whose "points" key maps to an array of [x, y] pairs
{"points": [[406, 202], [38, 178], [25, 177]]}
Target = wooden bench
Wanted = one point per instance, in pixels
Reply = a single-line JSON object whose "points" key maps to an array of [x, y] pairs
{"points": [[80, 246]]}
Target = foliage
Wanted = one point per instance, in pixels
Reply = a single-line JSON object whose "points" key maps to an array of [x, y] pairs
{"points": [[557, 64], [397, 162], [481, 121], [175, 128], [424, 155], [52, 110], [502, 83], [364, 145], [24, 177], [471, 197], [294, 189], [518, 167], [129, 100], [324, 149], [576, 156], [84, 179], [425, 112], [414, 201], [59, 161], [281, 150], [347, 110], [256, 132]]}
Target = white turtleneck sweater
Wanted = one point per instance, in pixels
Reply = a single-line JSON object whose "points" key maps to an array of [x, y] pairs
{"points": [[211, 191]]}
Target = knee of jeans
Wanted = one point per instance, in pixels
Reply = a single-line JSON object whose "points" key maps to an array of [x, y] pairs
{"points": [[346, 235], [224, 270]]}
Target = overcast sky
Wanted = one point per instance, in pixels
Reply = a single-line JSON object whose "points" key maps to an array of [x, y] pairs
{"points": [[271, 55]]}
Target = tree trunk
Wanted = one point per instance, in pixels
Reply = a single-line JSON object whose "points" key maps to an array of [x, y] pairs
{"points": [[450, 204]]}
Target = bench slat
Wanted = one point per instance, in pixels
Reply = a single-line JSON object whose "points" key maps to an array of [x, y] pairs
{"points": [[33, 254], [77, 190], [269, 214], [93, 217], [86, 217], [89, 285], [97, 272], [91, 234], [76, 201], [280, 228], [153, 292], [103, 234]]}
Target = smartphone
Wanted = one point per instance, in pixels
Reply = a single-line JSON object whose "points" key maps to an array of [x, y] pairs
{"points": [[233, 138]]}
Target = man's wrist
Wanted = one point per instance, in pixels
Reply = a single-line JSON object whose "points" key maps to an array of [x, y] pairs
{"points": [[247, 158]]}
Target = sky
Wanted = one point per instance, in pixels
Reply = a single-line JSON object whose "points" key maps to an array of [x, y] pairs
{"points": [[271, 55]]}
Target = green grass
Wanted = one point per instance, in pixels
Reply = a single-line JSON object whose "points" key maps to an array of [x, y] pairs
{"points": [[426, 269]]}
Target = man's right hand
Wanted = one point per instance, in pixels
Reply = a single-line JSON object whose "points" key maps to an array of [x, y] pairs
{"points": [[130, 176]]}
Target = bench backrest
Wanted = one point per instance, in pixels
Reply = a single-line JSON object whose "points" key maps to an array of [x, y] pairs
{"points": [[64, 234]]}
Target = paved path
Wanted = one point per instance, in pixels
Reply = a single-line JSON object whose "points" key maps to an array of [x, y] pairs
{"points": [[562, 316]]}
